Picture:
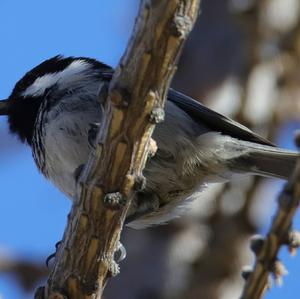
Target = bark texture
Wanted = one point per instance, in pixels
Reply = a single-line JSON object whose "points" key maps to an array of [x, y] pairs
{"points": [[133, 105]]}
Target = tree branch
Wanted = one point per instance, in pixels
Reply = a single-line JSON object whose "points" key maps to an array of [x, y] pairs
{"points": [[279, 234], [133, 105]]}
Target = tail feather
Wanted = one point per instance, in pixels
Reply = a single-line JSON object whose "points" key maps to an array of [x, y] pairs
{"points": [[267, 161]]}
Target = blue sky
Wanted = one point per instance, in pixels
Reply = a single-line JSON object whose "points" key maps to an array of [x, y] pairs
{"points": [[32, 211]]}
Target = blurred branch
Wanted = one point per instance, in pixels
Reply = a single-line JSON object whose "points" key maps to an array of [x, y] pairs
{"points": [[229, 233], [133, 105], [26, 272], [266, 260]]}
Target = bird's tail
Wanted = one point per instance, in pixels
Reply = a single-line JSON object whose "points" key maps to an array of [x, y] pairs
{"points": [[266, 161]]}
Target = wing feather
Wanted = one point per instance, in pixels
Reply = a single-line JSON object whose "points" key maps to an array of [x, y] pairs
{"points": [[213, 120]]}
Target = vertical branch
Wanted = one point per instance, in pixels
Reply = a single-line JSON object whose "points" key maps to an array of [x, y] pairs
{"points": [[133, 105]]}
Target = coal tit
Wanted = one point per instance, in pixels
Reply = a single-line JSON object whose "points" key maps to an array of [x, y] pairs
{"points": [[54, 106]]}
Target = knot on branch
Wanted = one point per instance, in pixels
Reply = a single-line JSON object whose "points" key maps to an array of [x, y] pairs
{"points": [[114, 201], [157, 116], [152, 148], [278, 270], [293, 241], [181, 26], [112, 266]]}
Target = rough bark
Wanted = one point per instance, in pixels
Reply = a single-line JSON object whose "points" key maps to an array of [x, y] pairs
{"points": [[133, 105]]}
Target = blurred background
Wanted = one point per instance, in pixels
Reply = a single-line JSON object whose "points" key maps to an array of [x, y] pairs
{"points": [[242, 59]]}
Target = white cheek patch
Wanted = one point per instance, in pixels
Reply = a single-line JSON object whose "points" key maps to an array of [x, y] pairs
{"points": [[38, 87]]}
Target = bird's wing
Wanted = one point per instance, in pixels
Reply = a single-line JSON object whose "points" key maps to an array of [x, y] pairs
{"points": [[213, 120]]}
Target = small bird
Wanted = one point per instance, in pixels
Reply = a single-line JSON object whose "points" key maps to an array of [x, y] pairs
{"points": [[54, 109]]}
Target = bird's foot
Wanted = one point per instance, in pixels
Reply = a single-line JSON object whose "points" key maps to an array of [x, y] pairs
{"points": [[120, 253]]}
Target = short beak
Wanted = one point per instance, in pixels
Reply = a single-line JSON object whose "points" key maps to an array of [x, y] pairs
{"points": [[4, 107]]}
